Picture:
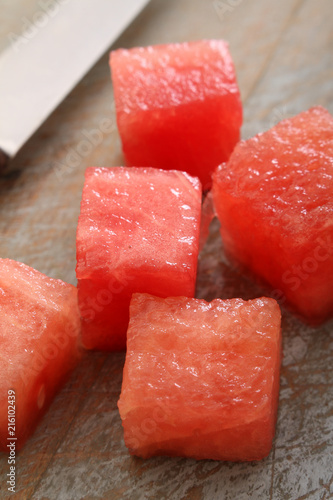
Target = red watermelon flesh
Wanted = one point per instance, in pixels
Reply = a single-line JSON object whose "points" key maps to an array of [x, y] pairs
{"points": [[39, 329], [138, 231], [178, 105], [201, 379], [274, 199]]}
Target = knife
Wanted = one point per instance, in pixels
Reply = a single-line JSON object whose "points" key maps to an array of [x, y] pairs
{"points": [[42, 65]]}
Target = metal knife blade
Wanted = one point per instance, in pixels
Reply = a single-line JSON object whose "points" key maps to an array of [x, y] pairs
{"points": [[38, 70]]}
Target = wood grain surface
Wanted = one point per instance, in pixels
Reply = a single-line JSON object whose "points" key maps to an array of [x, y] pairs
{"points": [[283, 53]]}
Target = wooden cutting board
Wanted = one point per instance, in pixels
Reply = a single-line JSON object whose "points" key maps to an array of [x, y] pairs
{"points": [[283, 52]]}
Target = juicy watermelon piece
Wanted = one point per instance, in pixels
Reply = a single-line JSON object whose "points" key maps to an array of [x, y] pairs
{"points": [[201, 379], [274, 199], [138, 231], [178, 105], [39, 329]]}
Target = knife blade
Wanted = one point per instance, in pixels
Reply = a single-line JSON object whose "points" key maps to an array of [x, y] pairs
{"points": [[40, 68]]}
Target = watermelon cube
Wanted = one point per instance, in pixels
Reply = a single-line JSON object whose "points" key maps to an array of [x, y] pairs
{"points": [[178, 105], [201, 379], [39, 331], [274, 199], [138, 231]]}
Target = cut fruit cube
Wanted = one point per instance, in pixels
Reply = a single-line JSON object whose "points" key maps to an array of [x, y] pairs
{"points": [[138, 231], [274, 199], [39, 332], [178, 105], [201, 379]]}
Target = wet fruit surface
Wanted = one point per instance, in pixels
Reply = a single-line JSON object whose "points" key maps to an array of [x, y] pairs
{"points": [[138, 232], [275, 204], [201, 379], [39, 331], [178, 105]]}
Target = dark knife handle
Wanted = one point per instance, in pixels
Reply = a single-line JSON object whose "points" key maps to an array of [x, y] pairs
{"points": [[4, 158]]}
